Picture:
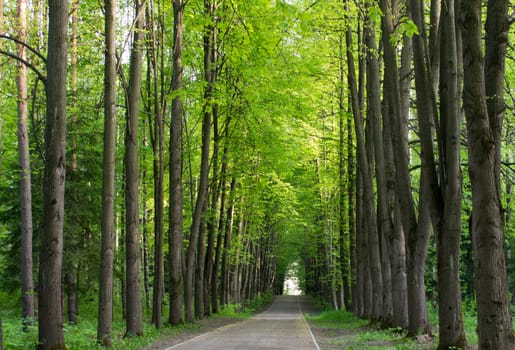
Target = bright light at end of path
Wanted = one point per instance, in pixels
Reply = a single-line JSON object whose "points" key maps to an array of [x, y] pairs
{"points": [[291, 281]]}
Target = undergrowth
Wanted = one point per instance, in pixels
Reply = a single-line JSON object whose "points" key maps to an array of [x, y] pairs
{"points": [[357, 333], [83, 335]]}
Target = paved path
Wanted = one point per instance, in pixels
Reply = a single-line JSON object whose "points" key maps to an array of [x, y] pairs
{"points": [[281, 326]]}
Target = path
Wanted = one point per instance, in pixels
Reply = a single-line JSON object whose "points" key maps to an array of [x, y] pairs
{"points": [[281, 326]]}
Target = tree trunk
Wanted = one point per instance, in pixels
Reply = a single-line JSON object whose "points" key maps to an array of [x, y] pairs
{"points": [[416, 231], [448, 230], [144, 238], [394, 234], [344, 261], [71, 291], [201, 263], [224, 285], [204, 164], [219, 242], [27, 284], [158, 146], [385, 224], [176, 234], [483, 122], [73, 200], [105, 290], [134, 303], [50, 323], [372, 243]]}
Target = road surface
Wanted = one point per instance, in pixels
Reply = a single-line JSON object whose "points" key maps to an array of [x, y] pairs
{"points": [[281, 326]]}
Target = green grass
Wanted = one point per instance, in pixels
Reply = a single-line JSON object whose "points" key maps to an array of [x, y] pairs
{"points": [[83, 335], [361, 335], [335, 319], [364, 337]]}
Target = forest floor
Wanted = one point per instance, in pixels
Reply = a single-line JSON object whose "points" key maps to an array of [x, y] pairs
{"points": [[336, 330]]}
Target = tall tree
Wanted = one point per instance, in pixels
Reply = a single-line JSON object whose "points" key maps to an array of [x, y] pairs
{"points": [[416, 227], [484, 109], [176, 234], [50, 313], [156, 80], [27, 284], [447, 197], [134, 306], [105, 298], [385, 224], [372, 243], [72, 198], [209, 75], [394, 233]]}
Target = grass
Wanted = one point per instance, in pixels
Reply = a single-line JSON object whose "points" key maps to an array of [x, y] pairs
{"points": [[335, 319], [359, 335], [83, 335]]}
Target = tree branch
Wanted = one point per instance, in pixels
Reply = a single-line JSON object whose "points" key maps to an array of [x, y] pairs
{"points": [[25, 62], [28, 47]]}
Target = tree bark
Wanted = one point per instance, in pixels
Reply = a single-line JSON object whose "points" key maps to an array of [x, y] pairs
{"points": [[344, 261], [385, 224], [27, 284], [448, 224], [483, 122], [176, 230], [368, 198], [224, 283], [50, 323], [158, 146], [105, 299], [201, 263], [134, 326], [394, 235], [73, 200]]}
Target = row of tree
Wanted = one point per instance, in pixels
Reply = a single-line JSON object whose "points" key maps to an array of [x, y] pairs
{"points": [[451, 65], [228, 254]]}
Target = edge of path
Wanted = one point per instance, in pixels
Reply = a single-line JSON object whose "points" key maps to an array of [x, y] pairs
{"points": [[308, 305], [198, 328]]}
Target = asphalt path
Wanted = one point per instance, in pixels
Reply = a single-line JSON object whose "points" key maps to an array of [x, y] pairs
{"points": [[281, 326]]}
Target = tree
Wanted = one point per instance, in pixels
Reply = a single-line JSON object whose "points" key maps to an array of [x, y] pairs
{"points": [[394, 233], [175, 233], [27, 290], [447, 198], [155, 76], [416, 229], [134, 307], [371, 232], [50, 323], [484, 108], [105, 299], [385, 224], [209, 76]]}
